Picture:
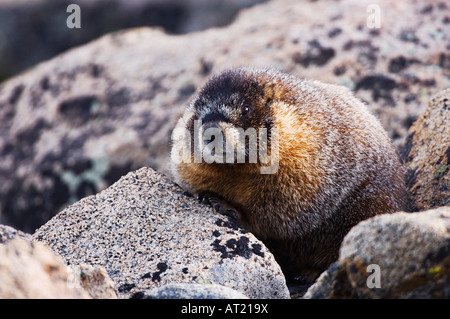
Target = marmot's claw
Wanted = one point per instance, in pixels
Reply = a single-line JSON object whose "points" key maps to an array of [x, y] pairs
{"points": [[223, 208], [204, 197], [232, 213], [217, 204]]}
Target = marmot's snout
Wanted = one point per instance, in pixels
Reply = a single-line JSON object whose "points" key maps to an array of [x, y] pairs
{"points": [[213, 138], [221, 139]]}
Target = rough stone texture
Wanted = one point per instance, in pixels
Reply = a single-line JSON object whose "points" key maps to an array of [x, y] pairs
{"points": [[31, 270], [95, 280], [23, 44], [7, 233], [426, 154], [190, 291], [73, 125], [411, 249], [146, 233]]}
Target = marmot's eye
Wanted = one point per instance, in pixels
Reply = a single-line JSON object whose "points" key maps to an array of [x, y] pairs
{"points": [[245, 110]]}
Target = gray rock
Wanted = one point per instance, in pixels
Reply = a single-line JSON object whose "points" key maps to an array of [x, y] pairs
{"points": [[37, 31], [190, 291], [7, 233], [402, 255], [32, 271], [73, 125], [146, 233], [95, 280], [426, 154]]}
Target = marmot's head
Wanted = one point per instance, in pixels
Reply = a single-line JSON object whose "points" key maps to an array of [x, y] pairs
{"points": [[235, 96], [230, 120], [232, 117]]}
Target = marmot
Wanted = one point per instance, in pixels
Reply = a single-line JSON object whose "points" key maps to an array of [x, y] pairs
{"points": [[333, 164]]}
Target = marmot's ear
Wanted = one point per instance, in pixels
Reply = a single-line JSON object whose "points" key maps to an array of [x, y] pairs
{"points": [[272, 91]]}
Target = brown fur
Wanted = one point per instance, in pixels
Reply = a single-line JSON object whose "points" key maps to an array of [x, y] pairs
{"points": [[336, 164]]}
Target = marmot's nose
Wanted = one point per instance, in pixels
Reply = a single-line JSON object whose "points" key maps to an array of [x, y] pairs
{"points": [[210, 131]]}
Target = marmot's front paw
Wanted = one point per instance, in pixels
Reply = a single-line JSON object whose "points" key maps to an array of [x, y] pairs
{"points": [[219, 205]]}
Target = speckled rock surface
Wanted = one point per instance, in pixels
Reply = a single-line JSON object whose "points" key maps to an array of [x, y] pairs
{"points": [[7, 233], [32, 271], [190, 291], [93, 279], [412, 251], [73, 125], [146, 233], [426, 154]]}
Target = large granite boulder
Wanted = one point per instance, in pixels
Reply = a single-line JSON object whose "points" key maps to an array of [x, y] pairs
{"points": [[147, 233], [426, 154], [402, 255], [34, 31]]}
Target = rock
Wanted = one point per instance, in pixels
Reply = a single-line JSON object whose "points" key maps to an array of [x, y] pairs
{"points": [[7, 233], [95, 280], [31, 270], [402, 255], [84, 279], [426, 154], [146, 233], [73, 125], [24, 44], [189, 291]]}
